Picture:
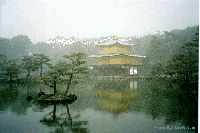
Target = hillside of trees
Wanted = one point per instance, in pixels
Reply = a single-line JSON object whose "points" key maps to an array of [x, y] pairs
{"points": [[161, 50]]}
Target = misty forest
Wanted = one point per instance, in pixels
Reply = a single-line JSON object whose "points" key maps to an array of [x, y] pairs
{"points": [[53, 85]]}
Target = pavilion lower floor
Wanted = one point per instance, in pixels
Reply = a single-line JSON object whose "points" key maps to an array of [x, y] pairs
{"points": [[115, 70]]}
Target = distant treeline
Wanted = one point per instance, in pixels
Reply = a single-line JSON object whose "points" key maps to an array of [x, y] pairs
{"points": [[21, 45], [160, 49]]}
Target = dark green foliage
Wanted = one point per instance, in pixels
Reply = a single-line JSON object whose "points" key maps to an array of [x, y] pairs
{"points": [[41, 59], [3, 59], [158, 68], [60, 68], [185, 64], [15, 48], [77, 66], [53, 75], [158, 48], [29, 63], [5, 46], [11, 69], [156, 55], [164, 47]]}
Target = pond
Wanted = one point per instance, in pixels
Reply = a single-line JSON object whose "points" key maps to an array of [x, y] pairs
{"points": [[128, 105]]}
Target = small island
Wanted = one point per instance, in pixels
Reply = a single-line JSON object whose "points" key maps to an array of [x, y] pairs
{"points": [[55, 98], [76, 67]]}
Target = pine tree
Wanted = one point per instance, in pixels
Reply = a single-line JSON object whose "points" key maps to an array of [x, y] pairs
{"points": [[41, 59], [29, 63], [77, 66], [185, 63], [54, 74], [11, 69], [74, 66]]}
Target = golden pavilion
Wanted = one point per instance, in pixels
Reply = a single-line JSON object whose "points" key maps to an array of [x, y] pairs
{"points": [[116, 58]]}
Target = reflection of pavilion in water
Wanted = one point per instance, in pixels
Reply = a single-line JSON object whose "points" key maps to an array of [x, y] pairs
{"points": [[122, 84], [116, 96], [63, 122]]}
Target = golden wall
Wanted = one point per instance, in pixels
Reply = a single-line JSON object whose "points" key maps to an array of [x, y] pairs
{"points": [[116, 60], [115, 49]]}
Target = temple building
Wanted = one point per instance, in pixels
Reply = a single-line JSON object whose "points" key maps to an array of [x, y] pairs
{"points": [[116, 58]]}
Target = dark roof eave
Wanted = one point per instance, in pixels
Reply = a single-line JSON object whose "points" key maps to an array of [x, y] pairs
{"points": [[108, 55]]}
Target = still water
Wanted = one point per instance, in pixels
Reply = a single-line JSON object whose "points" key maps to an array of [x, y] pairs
{"points": [[103, 106]]}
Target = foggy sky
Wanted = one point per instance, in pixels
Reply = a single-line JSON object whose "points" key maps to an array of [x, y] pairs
{"points": [[44, 19]]}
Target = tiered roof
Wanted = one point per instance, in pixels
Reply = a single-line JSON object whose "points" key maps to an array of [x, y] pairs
{"points": [[115, 41], [115, 54], [112, 42]]}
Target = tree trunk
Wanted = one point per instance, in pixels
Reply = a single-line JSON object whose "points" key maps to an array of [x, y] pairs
{"points": [[40, 71], [54, 112], [70, 79], [54, 86], [11, 78], [28, 73], [69, 116]]}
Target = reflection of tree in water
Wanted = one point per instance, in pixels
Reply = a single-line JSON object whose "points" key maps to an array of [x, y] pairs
{"points": [[8, 95], [21, 105], [174, 103], [12, 95], [157, 98], [64, 122]]}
